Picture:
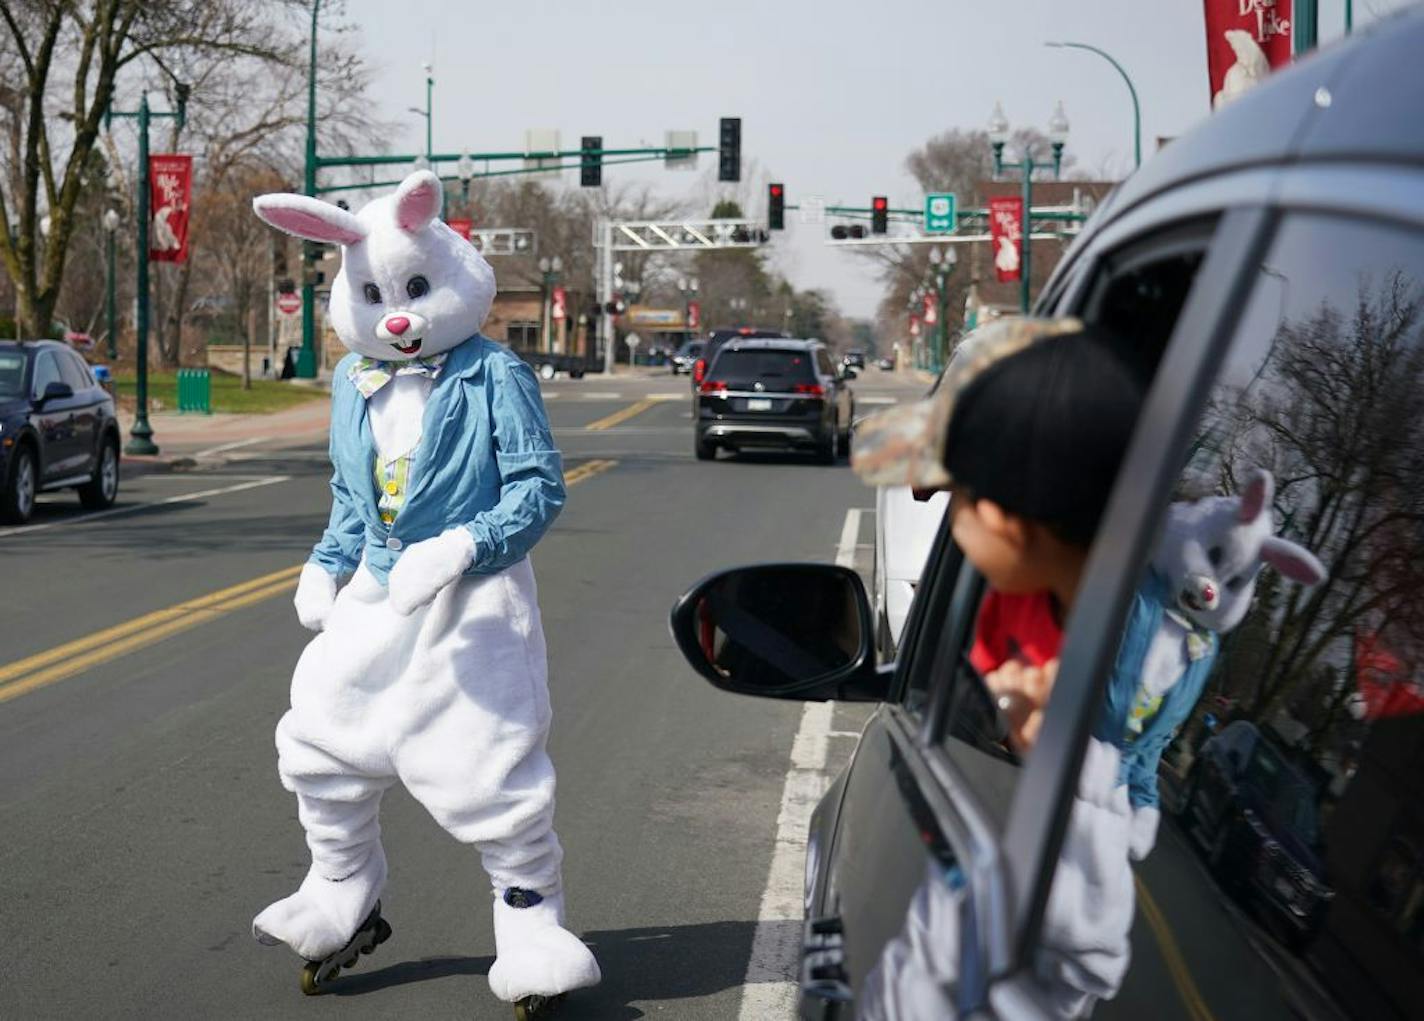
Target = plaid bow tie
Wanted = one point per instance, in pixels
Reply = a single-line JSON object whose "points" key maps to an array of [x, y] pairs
{"points": [[369, 374]]}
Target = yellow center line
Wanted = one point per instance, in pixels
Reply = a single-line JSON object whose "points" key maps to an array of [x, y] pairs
{"points": [[623, 414], [1172, 954], [62, 661]]}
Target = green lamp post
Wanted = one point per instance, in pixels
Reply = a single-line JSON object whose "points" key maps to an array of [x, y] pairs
{"points": [[942, 264], [1131, 89], [111, 227], [1026, 165], [550, 270]]}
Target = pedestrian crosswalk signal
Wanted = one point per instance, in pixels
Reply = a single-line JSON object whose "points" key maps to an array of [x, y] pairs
{"points": [[591, 162], [776, 207], [729, 150], [879, 215]]}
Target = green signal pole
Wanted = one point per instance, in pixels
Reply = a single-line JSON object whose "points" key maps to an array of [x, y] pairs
{"points": [[306, 359]]}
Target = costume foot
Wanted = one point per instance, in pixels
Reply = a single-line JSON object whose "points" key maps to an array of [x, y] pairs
{"points": [[537, 959], [374, 931], [532, 1008], [320, 918]]}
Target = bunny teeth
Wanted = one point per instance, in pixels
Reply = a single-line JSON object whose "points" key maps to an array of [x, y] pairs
{"points": [[410, 350]]}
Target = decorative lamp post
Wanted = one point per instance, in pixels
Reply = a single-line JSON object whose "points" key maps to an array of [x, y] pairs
{"points": [[429, 90], [942, 264], [688, 287], [998, 127], [550, 268], [111, 226], [465, 169]]}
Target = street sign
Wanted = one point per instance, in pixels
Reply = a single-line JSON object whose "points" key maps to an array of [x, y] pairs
{"points": [[940, 214], [684, 160], [289, 304], [813, 210], [632, 340]]}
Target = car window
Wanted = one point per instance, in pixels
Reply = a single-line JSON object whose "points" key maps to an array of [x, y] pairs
{"points": [[763, 365], [46, 372], [967, 728], [75, 371], [1268, 686], [12, 374], [823, 361]]}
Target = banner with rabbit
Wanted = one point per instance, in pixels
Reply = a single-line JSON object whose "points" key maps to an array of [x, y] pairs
{"points": [[170, 182], [1245, 39]]}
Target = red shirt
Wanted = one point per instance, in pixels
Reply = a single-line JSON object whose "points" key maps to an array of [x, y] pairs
{"points": [[1010, 626]]}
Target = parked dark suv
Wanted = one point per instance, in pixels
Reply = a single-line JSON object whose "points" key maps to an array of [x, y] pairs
{"points": [[783, 394], [57, 429], [1256, 817], [1266, 274]]}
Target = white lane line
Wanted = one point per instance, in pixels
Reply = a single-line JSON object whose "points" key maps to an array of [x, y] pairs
{"points": [[769, 989], [228, 446], [599, 395], [668, 396], [552, 395], [876, 400], [270, 480]]}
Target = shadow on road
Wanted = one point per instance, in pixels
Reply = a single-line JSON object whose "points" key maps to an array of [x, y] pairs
{"points": [[647, 964]]}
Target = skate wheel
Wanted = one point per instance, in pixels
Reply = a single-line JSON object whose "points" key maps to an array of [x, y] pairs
{"points": [[383, 931], [310, 985]]}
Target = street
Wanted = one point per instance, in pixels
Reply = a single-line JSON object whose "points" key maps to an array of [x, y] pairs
{"points": [[145, 823]]}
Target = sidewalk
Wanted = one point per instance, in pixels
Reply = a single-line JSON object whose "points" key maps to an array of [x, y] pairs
{"points": [[185, 437]]}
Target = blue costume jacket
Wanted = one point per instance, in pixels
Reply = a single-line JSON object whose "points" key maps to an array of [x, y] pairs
{"points": [[1141, 754], [486, 460]]}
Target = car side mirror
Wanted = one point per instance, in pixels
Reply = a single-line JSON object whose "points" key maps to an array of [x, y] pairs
{"points": [[794, 631], [56, 391]]}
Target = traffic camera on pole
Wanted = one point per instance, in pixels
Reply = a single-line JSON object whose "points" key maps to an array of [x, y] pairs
{"points": [[879, 215], [729, 150], [591, 161], [775, 207]]}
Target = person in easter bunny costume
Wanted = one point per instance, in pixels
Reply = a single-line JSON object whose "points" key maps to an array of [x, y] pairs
{"points": [[429, 663]]}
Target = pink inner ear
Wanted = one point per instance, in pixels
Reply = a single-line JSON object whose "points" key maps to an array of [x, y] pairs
{"points": [[305, 223], [418, 206], [1295, 562], [1257, 492]]}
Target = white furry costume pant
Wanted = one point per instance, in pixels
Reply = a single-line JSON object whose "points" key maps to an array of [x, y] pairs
{"points": [[453, 702]]}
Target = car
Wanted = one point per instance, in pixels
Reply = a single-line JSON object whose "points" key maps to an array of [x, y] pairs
{"points": [[1256, 817], [782, 394], [855, 358], [885, 364], [1263, 271], [905, 530], [717, 338], [686, 356], [58, 429]]}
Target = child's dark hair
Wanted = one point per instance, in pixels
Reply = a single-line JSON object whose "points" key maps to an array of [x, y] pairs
{"points": [[1043, 432]]}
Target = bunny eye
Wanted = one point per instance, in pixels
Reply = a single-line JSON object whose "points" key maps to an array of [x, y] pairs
{"points": [[417, 287], [373, 294], [1214, 555], [1235, 583]]}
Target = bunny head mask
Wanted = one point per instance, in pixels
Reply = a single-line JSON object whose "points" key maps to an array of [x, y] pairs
{"points": [[409, 286], [1213, 551]]}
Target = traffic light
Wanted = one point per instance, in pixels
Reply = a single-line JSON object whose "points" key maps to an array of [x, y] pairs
{"points": [[729, 151], [591, 161], [879, 215], [843, 232], [776, 207]]}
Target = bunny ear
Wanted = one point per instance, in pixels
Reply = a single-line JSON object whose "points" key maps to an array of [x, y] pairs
{"points": [[1296, 562], [418, 201], [1257, 495], [309, 218]]}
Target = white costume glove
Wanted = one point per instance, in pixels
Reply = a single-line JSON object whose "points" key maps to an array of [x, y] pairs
{"points": [[1144, 831], [427, 567], [316, 592]]}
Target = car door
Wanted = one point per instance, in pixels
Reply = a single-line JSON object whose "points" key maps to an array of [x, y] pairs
{"points": [[54, 420], [87, 408]]}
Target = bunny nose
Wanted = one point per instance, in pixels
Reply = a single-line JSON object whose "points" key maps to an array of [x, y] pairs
{"points": [[397, 324], [1208, 592]]}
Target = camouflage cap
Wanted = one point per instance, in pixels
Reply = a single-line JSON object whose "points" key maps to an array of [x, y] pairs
{"points": [[905, 446]]}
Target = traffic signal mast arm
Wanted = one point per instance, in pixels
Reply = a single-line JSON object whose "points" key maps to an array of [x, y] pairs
{"points": [[652, 152], [455, 179]]}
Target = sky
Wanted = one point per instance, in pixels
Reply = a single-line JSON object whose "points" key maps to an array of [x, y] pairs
{"points": [[833, 95]]}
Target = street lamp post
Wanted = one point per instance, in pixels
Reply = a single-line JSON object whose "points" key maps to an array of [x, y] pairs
{"points": [[429, 93], [111, 226], [1026, 165], [550, 268], [941, 266], [688, 287], [464, 170], [141, 435], [1131, 89]]}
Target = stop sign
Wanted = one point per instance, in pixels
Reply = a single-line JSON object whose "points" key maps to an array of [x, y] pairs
{"points": [[289, 304]]}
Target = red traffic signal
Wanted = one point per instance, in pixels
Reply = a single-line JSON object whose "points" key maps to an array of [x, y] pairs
{"points": [[879, 215], [776, 207]]}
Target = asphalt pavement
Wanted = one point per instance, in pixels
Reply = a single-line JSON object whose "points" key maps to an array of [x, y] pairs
{"points": [[146, 658]]}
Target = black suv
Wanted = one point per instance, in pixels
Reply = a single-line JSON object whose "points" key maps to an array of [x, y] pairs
{"points": [[57, 429], [774, 393], [1266, 272], [714, 343]]}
